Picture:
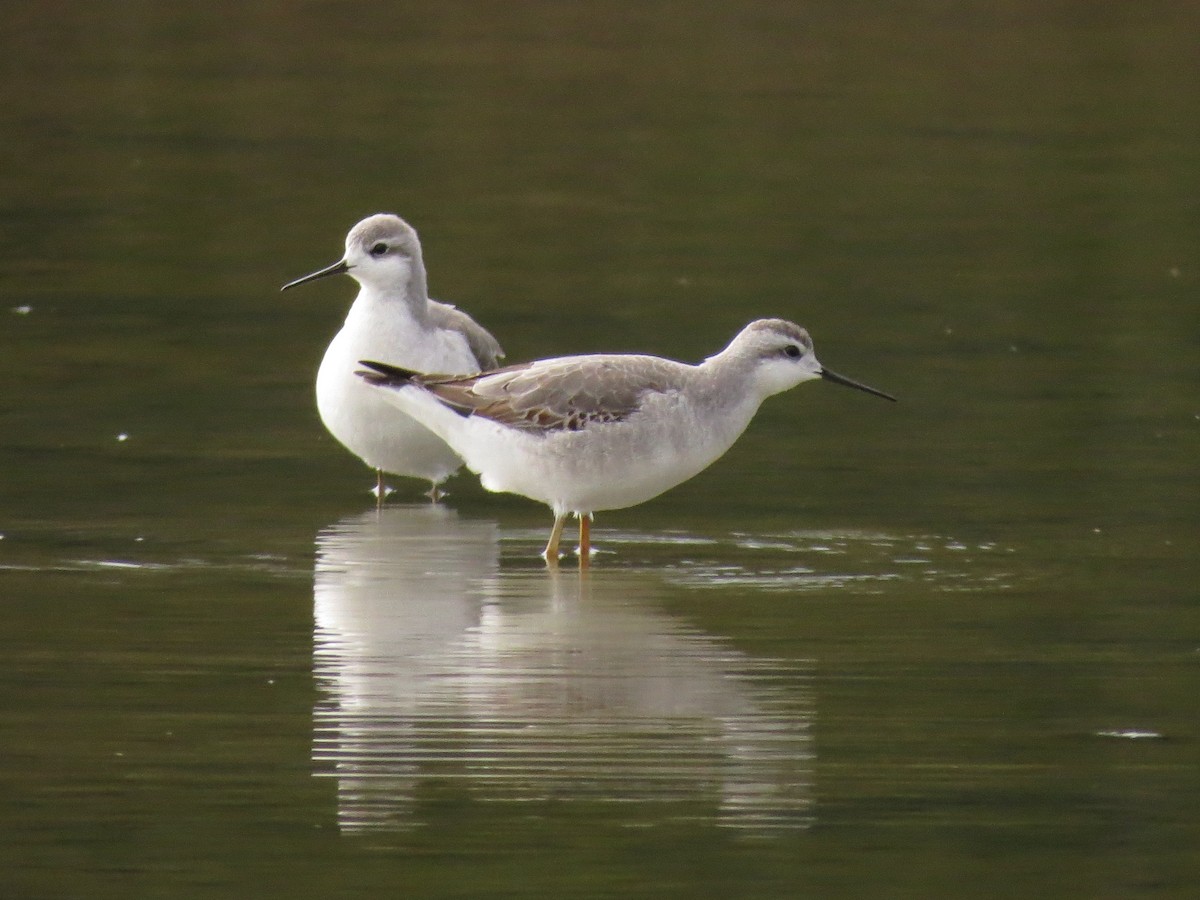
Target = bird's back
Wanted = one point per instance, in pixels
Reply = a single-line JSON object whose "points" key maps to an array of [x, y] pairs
{"points": [[483, 346]]}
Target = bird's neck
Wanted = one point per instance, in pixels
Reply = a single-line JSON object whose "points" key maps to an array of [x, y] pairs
{"points": [[728, 371], [726, 381], [416, 291], [407, 298]]}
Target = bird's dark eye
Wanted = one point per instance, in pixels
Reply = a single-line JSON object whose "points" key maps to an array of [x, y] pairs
{"points": [[379, 249], [792, 351]]}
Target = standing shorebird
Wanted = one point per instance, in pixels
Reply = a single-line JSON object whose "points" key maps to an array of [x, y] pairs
{"points": [[393, 318], [586, 433]]}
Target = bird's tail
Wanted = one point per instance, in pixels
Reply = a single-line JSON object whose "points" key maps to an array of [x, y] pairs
{"points": [[384, 375]]}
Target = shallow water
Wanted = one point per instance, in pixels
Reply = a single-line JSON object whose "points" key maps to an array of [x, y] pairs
{"points": [[938, 648]]}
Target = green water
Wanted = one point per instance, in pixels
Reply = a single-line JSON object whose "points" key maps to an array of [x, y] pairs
{"points": [[943, 648]]}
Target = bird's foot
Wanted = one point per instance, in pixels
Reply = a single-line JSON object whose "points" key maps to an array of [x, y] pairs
{"points": [[381, 492]]}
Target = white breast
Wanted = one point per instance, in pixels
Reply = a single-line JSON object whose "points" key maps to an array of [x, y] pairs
{"points": [[360, 417]]}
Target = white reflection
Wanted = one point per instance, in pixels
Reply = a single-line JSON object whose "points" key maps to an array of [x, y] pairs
{"points": [[436, 668]]}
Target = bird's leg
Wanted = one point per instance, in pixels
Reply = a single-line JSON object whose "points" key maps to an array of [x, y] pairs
{"points": [[551, 552], [381, 490], [434, 493], [585, 540]]}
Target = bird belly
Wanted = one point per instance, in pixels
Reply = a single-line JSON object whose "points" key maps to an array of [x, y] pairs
{"points": [[364, 422], [605, 466]]}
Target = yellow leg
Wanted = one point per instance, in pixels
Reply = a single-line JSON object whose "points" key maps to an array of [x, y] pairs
{"points": [[585, 540], [550, 554]]}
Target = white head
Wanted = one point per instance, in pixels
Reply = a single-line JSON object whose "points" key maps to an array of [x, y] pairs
{"points": [[779, 355], [383, 254]]}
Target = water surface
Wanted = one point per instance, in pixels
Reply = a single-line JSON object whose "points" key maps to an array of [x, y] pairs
{"points": [[939, 648]]}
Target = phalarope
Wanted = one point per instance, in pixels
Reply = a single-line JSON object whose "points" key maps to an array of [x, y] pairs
{"points": [[393, 318], [589, 433]]}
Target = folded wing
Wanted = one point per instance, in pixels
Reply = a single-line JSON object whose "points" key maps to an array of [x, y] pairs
{"points": [[566, 394]]}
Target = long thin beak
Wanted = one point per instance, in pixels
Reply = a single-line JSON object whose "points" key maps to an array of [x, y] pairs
{"points": [[849, 382], [338, 268]]}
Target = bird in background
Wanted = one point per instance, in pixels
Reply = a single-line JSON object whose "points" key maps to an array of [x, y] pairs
{"points": [[393, 318], [588, 433]]}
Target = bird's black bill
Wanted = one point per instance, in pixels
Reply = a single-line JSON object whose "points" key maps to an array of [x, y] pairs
{"points": [[849, 382], [338, 268]]}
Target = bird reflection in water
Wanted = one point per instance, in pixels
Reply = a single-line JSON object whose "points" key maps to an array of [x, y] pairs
{"points": [[434, 666]]}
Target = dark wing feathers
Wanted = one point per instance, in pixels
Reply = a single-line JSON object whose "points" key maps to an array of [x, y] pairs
{"points": [[385, 375]]}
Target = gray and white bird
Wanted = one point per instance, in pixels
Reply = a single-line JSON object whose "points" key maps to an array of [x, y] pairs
{"points": [[393, 318], [587, 433]]}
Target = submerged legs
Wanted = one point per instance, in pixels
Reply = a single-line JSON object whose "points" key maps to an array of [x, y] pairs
{"points": [[550, 554], [585, 540], [382, 491]]}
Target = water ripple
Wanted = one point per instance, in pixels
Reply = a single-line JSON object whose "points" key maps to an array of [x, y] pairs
{"points": [[822, 561]]}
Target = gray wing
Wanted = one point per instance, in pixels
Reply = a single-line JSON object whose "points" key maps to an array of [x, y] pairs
{"points": [[484, 347], [565, 394]]}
